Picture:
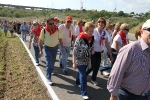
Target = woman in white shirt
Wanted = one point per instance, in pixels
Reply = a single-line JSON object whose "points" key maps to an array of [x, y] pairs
{"points": [[100, 40], [79, 28], [118, 42]]}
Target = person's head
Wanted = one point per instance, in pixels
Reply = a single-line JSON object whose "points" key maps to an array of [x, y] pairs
{"points": [[109, 28], [101, 23], [145, 32], [56, 20], [80, 22], [68, 21], [50, 23], [117, 26], [35, 24], [89, 28], [24, 22], [125, 28], [138, 33]]}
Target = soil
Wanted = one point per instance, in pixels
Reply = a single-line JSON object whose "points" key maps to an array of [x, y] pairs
{"points": [[20, 79]]}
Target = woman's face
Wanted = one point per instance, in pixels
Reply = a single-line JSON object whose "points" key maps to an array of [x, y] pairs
{"points": [[125, 31], [90, 31], [101, 24]]}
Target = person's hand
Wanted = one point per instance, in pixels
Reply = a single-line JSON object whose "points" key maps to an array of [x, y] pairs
{"points": [[92, 52], [41, 53], [111, 58], [113, 97], [63, 48], [29, 46], [74, 66]]}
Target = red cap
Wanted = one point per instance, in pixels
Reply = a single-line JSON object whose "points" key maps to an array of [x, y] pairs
{"points": [[68, 18], [56, 19]]}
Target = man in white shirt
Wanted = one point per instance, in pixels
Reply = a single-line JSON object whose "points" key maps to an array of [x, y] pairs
{"points": [[67, 30]]}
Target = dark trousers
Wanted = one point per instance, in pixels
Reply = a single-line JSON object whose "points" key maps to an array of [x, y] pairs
{"points": [[125, 95], [95, 61]]}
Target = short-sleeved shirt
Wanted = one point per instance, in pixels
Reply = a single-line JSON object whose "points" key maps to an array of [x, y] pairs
{"points": [[66, 34], [50, 40], [97, 36]]}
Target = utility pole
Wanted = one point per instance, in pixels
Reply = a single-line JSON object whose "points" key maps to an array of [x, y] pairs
{"points": [[81, 2]]}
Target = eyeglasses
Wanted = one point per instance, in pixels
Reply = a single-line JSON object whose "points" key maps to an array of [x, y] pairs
{"points": [[50, 23], [101, 22], [127, 29], [69, 21], [147, 29]]}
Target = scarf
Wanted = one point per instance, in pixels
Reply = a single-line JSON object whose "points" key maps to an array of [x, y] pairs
{"points": [[37, 32], [51, 32], [123, 37], [80, 28], [83, 35]]}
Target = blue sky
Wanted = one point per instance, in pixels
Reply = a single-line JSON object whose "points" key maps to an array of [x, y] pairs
{"points": [[137, 6]]}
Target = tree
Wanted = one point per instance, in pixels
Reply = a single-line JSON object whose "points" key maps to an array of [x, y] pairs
{"points": [[121, 13], [132, 13]]}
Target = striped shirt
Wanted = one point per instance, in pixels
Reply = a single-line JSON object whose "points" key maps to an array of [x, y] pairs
{"points": [[131, 69]]}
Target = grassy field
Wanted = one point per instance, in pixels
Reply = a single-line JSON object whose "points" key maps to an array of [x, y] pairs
{"points": [[18, 77]]}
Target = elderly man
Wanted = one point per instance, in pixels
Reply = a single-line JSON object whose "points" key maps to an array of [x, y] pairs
{"points": [[50, 36], [130, 75], [67, 30]]}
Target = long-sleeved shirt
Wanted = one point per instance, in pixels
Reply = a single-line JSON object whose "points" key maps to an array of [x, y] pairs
{"points": [[131, 69]]}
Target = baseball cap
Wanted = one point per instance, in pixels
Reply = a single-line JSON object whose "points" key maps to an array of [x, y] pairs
{"points": [[146, 24], [68, 18], [55, 18]]}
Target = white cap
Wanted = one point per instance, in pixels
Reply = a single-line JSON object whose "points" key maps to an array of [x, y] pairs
{"points": [[146, 24]]}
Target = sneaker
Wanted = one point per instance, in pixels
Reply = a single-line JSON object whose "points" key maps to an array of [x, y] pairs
{"points": [[105, 73], [94, 82], [79, 86], [85, 97], [37, 64], [65, 72], [49, 82]]}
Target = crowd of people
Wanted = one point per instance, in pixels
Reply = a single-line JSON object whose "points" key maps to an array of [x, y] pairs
{"points": [[97, 46]]}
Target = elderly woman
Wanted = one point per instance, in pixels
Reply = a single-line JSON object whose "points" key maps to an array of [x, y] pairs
{"points": [[100, 40], [34, 38], [81, 54]]}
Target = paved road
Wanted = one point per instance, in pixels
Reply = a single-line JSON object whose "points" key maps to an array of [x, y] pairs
{"points": [[64, 84]]}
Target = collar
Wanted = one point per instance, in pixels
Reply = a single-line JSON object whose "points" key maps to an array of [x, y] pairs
{"points": [[143, 44]]}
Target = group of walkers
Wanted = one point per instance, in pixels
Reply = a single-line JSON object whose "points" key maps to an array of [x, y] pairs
{"points": [[97, 45]]}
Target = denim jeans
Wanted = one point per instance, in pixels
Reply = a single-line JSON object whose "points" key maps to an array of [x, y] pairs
{"points": [[64, 56], [50, 56], [36, 53], [81, 79], [95, 61], [124, 95], [24, 35], [107, 67]]}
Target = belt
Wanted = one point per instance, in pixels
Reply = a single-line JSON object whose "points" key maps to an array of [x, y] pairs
{"points": [[128, 92], [49, 47]]}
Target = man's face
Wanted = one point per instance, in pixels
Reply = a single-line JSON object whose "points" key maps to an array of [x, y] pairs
{"points": [[68, 23], [146, 35], [51, 24]]}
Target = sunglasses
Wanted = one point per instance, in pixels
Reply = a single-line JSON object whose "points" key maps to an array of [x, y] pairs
{"points": [[147, 29], [101, 22], [69, 21], [127, 29], [50, 23]]}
